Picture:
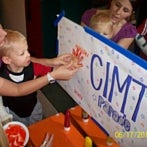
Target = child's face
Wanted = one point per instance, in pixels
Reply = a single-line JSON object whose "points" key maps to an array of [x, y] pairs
{"points": [[104, 30], [19, 55]]}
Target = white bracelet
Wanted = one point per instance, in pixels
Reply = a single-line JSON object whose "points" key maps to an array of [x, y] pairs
{"points": [[50, 78]]}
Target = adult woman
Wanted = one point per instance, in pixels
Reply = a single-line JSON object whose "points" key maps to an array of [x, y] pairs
{"points": [[64, 71], [120, 11]]}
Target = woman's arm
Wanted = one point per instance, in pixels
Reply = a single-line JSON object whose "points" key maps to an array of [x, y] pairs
{"points": [[53, 62], [126, 42], [43, 61], [12, 89], [64, 72]]}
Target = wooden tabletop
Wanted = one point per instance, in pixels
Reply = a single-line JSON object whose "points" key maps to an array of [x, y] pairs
{"points": [[90, 128], [55, 125]]}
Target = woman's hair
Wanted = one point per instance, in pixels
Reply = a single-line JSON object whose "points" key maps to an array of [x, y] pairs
{"points": [[134, 4], [99, 3], [3, 138], [141, 12]]}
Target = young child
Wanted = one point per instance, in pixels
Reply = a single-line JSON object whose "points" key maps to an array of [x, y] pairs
{"points": [[18, 68], [102, 24]]}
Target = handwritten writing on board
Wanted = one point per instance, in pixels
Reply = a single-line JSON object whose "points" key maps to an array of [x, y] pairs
{"points": [[111, 85]]}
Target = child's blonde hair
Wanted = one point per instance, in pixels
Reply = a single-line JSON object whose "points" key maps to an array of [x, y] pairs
{"points": [[10, 42], [101, 19]]}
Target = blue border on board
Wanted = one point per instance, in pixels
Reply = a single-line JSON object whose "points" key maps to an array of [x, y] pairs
{"points": [[96, 122], [115, 46], [59, 17], [110, 43]]}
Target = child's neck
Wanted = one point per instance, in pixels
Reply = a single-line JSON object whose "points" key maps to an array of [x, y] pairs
{"points": [[15, 69]]}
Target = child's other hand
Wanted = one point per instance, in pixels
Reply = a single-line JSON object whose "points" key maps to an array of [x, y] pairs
{"points": [[76, 61]]}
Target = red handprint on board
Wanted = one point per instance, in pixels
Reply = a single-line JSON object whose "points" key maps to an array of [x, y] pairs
{"points": [[78, 55]]}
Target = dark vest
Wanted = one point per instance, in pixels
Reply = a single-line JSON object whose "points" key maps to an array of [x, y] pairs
{"points": [[23, 105]]}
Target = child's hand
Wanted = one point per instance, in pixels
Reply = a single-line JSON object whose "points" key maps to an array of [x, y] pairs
{"points": [[64, 72], [78, 55], [76, 61]]}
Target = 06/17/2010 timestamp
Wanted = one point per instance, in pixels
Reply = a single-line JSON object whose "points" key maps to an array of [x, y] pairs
{"points": [[131, 134]]}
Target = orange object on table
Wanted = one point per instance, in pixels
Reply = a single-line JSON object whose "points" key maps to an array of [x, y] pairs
{"points": [[98, 136], [55, 125]]}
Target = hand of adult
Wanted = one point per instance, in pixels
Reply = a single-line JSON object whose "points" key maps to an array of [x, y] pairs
{"points": [[61, 60], [64, 72]]}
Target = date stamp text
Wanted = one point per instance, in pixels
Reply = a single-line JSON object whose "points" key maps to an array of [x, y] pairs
{"points": [[131, 134]]}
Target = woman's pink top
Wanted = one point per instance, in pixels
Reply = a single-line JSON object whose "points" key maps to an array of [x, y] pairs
{"points": [[127, 31]]}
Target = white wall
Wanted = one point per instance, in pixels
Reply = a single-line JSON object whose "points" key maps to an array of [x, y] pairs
{"points": [[13, 15]]}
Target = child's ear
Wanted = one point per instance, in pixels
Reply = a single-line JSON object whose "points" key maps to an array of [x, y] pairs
{"points": [[6, 59]]}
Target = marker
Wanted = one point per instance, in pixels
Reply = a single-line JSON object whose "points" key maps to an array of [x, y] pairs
{"points": [[85, 116], [67, 121], [109, 141], [88, 142]]}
